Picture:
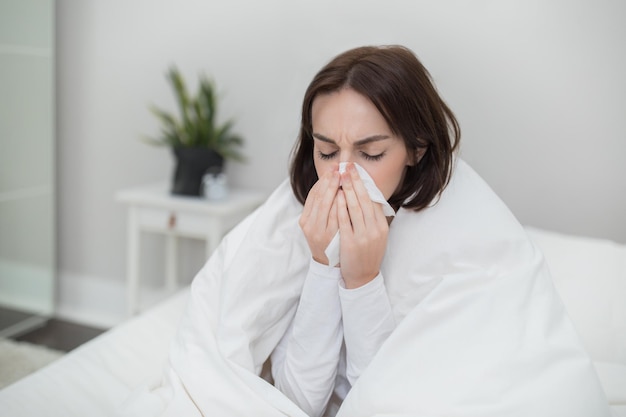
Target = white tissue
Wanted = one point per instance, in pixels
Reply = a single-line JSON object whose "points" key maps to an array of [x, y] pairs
{"points": [[332, 251]]}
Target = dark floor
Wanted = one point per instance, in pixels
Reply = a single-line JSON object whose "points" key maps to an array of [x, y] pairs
{"points": [[9, 317], [60, 335], [54, 333]]}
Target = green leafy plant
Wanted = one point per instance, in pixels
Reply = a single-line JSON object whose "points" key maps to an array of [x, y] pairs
{"points": [[197, 125]]}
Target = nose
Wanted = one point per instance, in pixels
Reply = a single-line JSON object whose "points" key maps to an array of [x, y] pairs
{"points": [[345, 156], [342, 164]]}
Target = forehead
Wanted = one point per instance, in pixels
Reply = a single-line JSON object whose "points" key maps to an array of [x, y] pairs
{"points": [[346, 112]]}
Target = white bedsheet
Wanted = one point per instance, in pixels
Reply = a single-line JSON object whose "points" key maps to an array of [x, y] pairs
{"points": [[94, 379]]}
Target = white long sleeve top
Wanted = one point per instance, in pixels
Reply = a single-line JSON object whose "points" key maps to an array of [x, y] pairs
{"points": [[333, 337]]}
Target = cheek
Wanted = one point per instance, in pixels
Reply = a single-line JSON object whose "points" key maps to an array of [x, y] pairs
{"points": [[388, 180], [321, 167]]}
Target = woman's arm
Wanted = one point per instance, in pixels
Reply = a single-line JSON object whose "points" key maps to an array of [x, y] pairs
{"points": [[304, 364], [367, 322], [367, 315]]}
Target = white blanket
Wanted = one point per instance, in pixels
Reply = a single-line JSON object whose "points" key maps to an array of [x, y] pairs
{"points": [[481, 330]]}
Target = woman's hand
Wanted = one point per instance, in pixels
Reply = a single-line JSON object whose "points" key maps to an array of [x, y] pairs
{"points": [[319, 216], [363, 228]]}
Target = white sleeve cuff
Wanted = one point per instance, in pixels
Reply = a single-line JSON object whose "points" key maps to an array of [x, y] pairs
{"points": [[324, 271], [374, 286]]}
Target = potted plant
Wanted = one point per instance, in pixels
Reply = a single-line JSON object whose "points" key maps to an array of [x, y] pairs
{"points": [[200, 144]]}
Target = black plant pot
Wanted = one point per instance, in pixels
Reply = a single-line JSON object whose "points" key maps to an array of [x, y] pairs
{"points": [[191, 165]]}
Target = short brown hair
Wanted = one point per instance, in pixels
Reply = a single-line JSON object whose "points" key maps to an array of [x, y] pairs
{"points": [[396, 82]]}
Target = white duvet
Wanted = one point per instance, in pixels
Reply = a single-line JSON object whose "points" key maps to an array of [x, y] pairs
{"points": [[481, 330]]}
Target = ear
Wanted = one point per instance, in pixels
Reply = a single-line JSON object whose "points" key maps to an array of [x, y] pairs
{"points": [[417, 156]]}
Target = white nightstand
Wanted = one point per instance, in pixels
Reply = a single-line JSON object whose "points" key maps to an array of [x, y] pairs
{"points": [[153, 208]]}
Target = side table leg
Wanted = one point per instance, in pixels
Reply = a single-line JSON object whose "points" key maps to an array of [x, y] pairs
{"points": [[132, 273], [171, 262]]}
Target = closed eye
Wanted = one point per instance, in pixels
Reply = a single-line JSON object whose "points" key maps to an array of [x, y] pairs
{"points": [[373, 157], [327, 156]]}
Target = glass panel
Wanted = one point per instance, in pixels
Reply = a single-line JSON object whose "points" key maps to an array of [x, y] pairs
{"points": [[27, 199]]}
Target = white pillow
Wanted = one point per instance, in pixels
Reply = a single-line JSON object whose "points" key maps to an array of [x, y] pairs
{"points": [[590, 276]]}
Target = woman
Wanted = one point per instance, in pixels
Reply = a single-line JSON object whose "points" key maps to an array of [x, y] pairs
{"points": [[347, 116], [444, 307]]}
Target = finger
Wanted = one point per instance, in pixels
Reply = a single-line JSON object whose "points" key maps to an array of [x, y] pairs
{"points": [[325, 201], [379, 215], [333, 220], [312, 195], [367, 206], [329, 197], [320, 198], [309, 203], [352, 203], [343, 217]]}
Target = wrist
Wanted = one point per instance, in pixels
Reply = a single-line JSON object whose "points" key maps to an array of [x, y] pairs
{"points": [[320, 259], [352, 283]]}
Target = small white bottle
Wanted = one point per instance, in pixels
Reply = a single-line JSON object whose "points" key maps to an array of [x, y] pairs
{"points": [[215, 186]]}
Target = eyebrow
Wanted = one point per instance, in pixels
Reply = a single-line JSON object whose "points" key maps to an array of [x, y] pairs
{"points": [[360, 142]]}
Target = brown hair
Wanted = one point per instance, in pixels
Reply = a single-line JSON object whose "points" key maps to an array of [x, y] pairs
{"points": [[395, 81]]}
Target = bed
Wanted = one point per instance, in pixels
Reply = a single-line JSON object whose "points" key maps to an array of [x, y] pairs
{"points": [[94, 379]]}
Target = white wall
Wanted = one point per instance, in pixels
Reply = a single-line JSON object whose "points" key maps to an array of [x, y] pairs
{"points": [[537, 86]]}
